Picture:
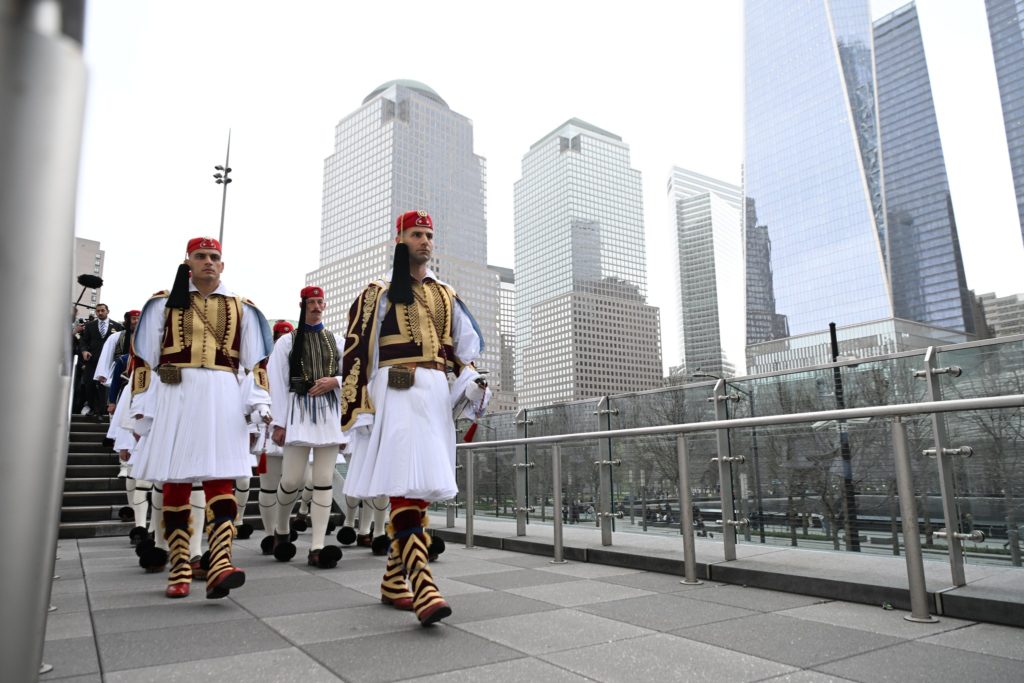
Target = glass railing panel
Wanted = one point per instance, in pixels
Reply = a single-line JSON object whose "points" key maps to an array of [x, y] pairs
{"points": [[494, 476], [992, 370], [989, 484]]}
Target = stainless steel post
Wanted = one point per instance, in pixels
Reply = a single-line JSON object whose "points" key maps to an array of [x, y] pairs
{"points": [[42, 91], [470, 496], [686, 514], [945, 464], [911, 536], [522, 425], [725, 472], [604, 495], [556, 483]]}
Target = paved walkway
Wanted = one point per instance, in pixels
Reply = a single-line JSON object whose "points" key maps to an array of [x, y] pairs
{"points": [[517, 617]]}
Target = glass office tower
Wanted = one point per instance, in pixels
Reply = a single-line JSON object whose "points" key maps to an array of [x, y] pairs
{"points": [[1006, 26], [405, 149], [927, 272], [583, 327], [709, 281], [825, 118]]}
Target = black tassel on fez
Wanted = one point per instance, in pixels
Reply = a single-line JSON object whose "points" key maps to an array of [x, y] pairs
{"points": [[400, 291]]}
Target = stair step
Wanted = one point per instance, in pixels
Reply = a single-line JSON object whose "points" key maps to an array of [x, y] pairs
{"points": [[88, 448], [74, 499], [95, 436], [90, 513], [96, 529], [80, 484], [91, 471], [107, 458]]}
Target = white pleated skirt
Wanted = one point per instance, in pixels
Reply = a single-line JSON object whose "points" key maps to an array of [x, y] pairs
{"points": [[410, 449], [312, 421], [199, 430]]}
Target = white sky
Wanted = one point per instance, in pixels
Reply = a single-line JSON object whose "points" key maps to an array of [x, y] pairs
{"points": [[168, 79]]}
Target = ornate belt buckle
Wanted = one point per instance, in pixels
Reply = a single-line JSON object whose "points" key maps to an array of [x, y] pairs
{"points": [[169, 374], [400, 377]]}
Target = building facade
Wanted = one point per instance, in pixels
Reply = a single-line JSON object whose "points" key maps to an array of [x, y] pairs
{"points": [[89, 260], [925, 265], [583, 327], [709, 272], [1004, 315], [1006, 27], [505, 399], [405, 149], [830, 123]]}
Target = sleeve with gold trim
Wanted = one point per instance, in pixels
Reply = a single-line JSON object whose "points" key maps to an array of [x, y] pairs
{"points": [[360, 347]]}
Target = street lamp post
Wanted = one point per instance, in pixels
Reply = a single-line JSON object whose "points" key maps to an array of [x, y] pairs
{"points": [[753, 442], [222, 178]]}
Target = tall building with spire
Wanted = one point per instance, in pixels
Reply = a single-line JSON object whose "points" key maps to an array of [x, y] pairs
{"points": [[846, 186], [1006, 26], [583, 327], [404, 149]]}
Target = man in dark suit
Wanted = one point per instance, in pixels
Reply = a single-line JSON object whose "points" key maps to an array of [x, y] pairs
{"points": [[91, 344]]}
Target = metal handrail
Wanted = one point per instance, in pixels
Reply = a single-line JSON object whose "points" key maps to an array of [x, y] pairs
{"points": [[915, 568], [901, 410]]}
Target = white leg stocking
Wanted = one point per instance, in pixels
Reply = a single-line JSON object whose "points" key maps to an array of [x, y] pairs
{"points": [[320, 509], [139, 489], [269, 481], [241, 497], [156, 520], [307, 490], [198, 502], [293, 470]]}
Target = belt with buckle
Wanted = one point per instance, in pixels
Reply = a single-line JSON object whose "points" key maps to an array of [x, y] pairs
{"points": [[428, 364]]}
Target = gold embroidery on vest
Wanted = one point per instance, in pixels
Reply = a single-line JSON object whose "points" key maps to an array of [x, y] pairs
{"points": [[349, 388], [369, 306]]}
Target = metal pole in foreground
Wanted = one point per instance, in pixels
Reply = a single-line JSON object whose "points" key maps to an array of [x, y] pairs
{"points": [[686, 514], [911, 538], [556, 501], [470, 497], [42, 87]]}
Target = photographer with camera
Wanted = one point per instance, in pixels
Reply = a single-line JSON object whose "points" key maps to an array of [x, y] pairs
{"points": [[305, 387]]}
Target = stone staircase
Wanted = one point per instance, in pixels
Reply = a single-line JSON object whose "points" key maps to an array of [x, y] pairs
{"points": [[93, 493]]}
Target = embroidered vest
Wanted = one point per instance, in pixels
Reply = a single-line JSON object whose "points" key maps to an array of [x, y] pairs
{"points": [[319, 355], [420, 331], [189, 343]]}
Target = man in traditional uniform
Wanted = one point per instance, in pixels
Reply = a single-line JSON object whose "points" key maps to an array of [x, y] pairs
{"points": [[190, 347], [402, 339], [305, 386]]}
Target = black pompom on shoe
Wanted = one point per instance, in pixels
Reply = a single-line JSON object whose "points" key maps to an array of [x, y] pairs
{"points": [[325, 558], [243, 530], [267, 545], [380, 545], [346, 535]]}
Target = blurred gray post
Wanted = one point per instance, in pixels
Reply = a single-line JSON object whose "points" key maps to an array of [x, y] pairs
{"points": [[725, 473], [945, 463], [42, 99], [686, 513], [911, 533]]}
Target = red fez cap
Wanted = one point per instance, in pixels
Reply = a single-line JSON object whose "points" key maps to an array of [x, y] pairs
{"points": [[132, 314], [202, 243], [283, 327], [413, 219], [312, 292]]}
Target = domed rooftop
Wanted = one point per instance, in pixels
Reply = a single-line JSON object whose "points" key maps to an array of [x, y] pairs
{"points": [[421, 88]]}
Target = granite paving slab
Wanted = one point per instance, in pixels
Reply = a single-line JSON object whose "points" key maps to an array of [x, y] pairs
{"points": [[665, 612], [517, 578], [195, 609], [796, 642], [914, 661], [339, 624], [63, 625], [986, 639], [276, 665], [578, 593], [423, 651], [493, 605], [70, 657], [513, 671], [754, 598], [875, 619], [662, 657], [552, 631], [154, 647], [306, 602]]}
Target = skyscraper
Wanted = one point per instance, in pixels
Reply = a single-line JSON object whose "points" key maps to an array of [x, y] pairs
{"points": [[583, 327], [1006, 26], [927, 272], [505, 400], [826, 117], [404, 149], [709, 280]]}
